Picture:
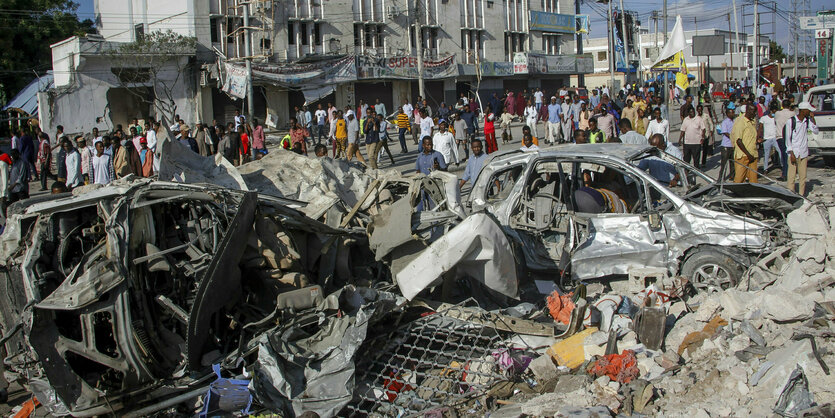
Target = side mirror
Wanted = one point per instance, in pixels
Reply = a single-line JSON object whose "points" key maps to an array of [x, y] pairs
{"points": [[654, 219]]}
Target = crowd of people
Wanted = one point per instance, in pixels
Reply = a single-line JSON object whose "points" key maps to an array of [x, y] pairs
{"points": [[636, 114]]}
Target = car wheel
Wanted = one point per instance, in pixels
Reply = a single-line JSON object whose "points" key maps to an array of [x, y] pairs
{"points": [[829, 160], [709, 269]]}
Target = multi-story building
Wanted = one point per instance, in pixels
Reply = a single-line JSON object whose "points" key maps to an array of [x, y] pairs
{"points": [[339, 51]]}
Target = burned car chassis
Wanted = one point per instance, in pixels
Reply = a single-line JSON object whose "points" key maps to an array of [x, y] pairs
{"points": [[127, 294]]}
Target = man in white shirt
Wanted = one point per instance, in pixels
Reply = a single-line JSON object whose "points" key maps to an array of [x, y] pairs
{"points": [[353, 136], [73, 162], [769, 128], [567, 123], [658, 125], [380, 108], [444, 142], [321, 118], [797, 145], [628, 136], [426, 125], [102, 167], [363, 108], [538, 99], [781, 117]]}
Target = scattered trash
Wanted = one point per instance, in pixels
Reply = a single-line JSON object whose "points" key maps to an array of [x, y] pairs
{"points": [[621, 368], [795, 396]]}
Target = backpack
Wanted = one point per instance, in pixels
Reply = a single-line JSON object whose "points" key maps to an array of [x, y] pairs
{"points": [[794, 125]]}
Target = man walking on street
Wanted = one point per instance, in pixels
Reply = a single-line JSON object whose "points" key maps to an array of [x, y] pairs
{"points": [[780, 118], [44, 159], [444, 143], [554, 118], [797, 145], [321, 118], [474, 164], [744, 137], [691, 137], [769, 129], [402, 128], [727, 153]]}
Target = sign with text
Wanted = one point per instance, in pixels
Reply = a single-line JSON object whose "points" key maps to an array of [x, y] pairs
{"points": [[236, 81], [405, 67], [823, 33], [553, 22]]}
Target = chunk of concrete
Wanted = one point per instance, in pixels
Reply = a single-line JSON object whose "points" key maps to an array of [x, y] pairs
{"points": [[543, 368], [785, 306]]}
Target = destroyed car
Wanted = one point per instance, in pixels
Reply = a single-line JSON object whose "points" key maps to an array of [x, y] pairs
{"points": [[125, 296], [701, 229]]}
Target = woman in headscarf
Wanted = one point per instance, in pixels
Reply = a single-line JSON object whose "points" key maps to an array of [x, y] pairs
{"points": [[510, 103]]}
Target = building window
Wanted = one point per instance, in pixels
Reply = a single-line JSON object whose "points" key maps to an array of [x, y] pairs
{"points": [[358, 34], [473, 43], [550, 44], [317, 34], [601, 56], [265, 44], [303, 33], [139, 31], [291, 33], [215, 29], [514, 42]]}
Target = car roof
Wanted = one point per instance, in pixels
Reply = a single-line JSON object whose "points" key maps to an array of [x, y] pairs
{"points": [[616, 150], [825, 87]]}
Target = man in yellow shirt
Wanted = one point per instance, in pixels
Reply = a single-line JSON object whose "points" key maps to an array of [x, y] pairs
{"points": [[744, 138], [402, 128], [341, 135]]}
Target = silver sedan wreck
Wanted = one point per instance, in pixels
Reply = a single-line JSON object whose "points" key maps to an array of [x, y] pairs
{"points": [[596, 210], [125, 296]]}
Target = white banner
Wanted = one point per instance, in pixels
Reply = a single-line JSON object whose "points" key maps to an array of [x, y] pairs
{"points": [[236, 82]]}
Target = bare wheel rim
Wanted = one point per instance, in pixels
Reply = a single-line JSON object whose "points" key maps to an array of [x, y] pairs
{"points": [[711, 275]]}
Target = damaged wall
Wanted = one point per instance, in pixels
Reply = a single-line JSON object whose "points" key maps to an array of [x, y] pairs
{"points": [[80, 100]]}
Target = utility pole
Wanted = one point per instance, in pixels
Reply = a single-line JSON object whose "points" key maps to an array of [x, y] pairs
{"points": [[666, 88], [794, 29], [419, 44], [248, 52], [736, 29], [731, 41], [581, 78], [625, 43], [612, 50], [756, 45]]}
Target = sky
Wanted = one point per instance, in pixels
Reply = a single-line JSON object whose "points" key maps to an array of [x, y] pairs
{"points": [[703, 14]]}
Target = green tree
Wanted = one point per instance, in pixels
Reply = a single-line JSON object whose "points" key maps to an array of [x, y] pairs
{"points": [[27, 29], [776, 51]]}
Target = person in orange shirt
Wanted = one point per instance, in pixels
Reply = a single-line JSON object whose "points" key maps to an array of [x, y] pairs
{"points": [[526, 130]]}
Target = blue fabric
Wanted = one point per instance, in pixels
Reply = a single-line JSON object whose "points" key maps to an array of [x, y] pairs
{"points": [[554, 112], [425, 162], [474, 165], [659, 169], [225, 394]]}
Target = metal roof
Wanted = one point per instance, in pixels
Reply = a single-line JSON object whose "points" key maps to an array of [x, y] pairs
{"points": [[26, 100]]}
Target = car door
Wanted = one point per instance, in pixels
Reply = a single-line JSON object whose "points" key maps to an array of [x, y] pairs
{"points": [[627, 235]]}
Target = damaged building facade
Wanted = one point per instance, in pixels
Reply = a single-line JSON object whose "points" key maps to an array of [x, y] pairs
{"points": [[338, 51]]}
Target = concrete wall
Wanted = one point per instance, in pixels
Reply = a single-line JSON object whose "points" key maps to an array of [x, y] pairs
{"points": [[84, 103]]}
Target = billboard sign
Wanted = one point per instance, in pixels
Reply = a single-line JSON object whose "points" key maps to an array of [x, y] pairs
{"points": [[706, 45], [553, 22]]}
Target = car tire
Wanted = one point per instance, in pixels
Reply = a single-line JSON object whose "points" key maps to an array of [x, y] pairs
{"points": [[829, 160], [710, 269]]}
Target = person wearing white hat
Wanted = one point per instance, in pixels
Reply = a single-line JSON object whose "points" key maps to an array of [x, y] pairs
{"points": [[797, 145]]}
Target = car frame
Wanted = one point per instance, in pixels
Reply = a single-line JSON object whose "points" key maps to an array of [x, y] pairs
{"points": [[707, 245]]}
